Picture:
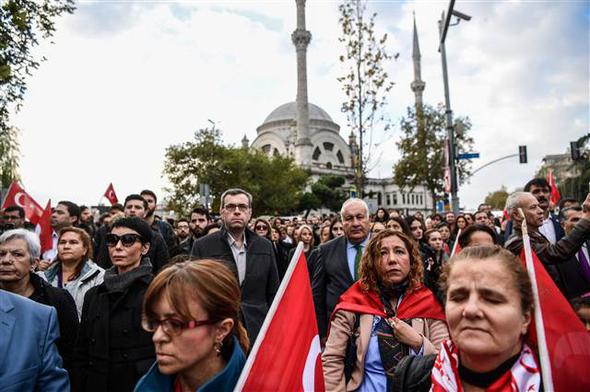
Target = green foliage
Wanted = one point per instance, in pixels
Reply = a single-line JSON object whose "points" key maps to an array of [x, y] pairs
{"points": [[422, 150], [578, 186], [21, 23], [497, 199], [276, 183], [326, 192], [366, 84]]}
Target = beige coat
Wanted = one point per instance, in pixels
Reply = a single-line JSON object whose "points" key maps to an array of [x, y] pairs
{"points": [[433, 331]]}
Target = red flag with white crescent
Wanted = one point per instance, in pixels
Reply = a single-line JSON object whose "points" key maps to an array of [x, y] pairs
{"points": [[110, 194], [45, 229], [16, 196], [286, 354], [555, 196]]}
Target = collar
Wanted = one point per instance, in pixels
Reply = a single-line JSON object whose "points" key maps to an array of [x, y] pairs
{"points": [[232, 240], [350, 245]]}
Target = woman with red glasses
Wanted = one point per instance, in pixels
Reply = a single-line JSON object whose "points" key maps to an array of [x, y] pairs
{"points": [[192, 309], [113, 350]]}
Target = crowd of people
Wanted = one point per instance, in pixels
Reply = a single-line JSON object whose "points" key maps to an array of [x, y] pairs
{"points": [[131, 301]]}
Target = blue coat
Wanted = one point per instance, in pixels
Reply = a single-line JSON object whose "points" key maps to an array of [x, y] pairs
{"points": [[224, 381], [28, 355]]}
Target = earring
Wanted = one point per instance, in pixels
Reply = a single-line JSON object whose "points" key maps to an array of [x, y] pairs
{"points": [[217, 347]]}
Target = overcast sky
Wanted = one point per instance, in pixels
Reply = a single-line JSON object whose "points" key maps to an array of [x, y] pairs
{"points": [[126, 79]]}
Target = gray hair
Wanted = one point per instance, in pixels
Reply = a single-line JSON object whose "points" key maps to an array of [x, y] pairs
{"points": [[354, 200], [233, 192], [31, 239], [513, 200]]}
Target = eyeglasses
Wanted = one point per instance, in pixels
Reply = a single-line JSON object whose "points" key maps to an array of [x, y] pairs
{"points": [[11, 217], [261, 227], [172, 326], [232, 207], [127, 240]]}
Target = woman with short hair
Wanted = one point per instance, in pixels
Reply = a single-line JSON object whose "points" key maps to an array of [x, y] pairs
{"points": [[192, 309]]}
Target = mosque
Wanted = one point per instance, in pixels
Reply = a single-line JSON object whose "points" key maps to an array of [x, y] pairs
{"points": [[307, 133]]}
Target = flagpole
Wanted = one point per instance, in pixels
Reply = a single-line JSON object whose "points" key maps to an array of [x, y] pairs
{"points": [[456, 242], [539, 325], [271, 312]]}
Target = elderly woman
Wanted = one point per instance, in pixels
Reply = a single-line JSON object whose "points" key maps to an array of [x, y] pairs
{"points": [[113, 350], [489, 305], [193, 311], [73, 268], [386, 315]]}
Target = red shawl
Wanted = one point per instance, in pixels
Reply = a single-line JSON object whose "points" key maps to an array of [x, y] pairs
{"points": [[418, 303]]}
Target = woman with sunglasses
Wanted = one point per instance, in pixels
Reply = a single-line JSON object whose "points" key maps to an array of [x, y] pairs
{"points": [[192, 309], [262, 228], [113, 350]]}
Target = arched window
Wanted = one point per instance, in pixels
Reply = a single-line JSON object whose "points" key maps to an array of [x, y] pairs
{"points": [[328, 146], [316, 154], [329, 165], [266, 148], [340, 157]]}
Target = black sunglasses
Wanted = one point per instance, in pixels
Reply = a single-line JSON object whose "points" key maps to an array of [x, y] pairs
{"points": [[126, 239]]}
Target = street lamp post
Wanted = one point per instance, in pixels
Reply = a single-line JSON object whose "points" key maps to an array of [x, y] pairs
{"points": [[443, 25]]}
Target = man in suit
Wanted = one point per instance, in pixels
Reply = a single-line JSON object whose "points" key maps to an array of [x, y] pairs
{"points": [[570, 216], [28, 355], [335, 263], [250, 256]]}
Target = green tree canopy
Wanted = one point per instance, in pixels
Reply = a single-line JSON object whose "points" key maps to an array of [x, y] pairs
{"points": [[497, 199], [423, 148], [276, 183], [326, 192]]}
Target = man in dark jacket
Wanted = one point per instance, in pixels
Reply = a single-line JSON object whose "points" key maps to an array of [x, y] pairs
{"points": [[156, 223], [334, 265], [557, 258], [19, 253], [250, 256]]}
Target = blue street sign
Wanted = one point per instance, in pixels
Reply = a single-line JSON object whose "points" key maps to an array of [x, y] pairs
{"points": [[468, 155]]}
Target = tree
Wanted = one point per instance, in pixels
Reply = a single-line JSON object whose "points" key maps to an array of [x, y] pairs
{"points": [[276, 183], [21, 24], [422, 150], [497, 199], [366, 84], [326, 192]]}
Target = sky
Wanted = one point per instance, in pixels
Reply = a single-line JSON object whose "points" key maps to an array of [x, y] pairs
{"points": [[124, 80]]}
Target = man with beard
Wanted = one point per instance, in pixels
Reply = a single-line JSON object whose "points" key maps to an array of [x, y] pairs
{"points": [[250, 256], [200, 219], [558, 258], [157, 223], [65, 214], [87, 221], [185, 241]]}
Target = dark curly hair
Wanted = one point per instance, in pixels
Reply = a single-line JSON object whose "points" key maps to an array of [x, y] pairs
{"points": [[370, 268]]}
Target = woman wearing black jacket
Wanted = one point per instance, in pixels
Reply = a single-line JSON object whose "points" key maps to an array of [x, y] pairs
{"points": [[113, 351]]}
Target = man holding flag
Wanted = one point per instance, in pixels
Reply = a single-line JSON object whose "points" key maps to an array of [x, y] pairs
{"points": [[559, 258]]}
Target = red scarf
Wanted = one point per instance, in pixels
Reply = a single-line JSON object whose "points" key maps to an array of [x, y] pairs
{"points": [[524, 375], [418, 303]]}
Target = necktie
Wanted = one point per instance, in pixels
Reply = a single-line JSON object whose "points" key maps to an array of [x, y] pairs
{"points": [[357, 261], [584, 264]]}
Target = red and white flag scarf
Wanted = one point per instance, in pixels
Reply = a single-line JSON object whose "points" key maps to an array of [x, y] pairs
{"points": [[524, 376]]}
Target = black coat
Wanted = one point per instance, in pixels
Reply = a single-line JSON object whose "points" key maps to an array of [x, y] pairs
{"points": [[330, 278], [67, 316], [113, 352], [261, 281]]}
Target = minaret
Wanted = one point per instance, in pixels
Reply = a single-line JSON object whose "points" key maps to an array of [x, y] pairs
{"points": [[245, 142], [417, 85], [301, 38]]}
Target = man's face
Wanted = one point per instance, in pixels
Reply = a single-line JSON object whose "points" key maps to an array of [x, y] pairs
{"points": [[198, 223], [450, 218], [151, 203], [135, 208], [15, 261], [481, 218], [61, 217], [14, 218], [532, 211], [356, 223], [86, 215], [571, 218], [236, 212], [182, 229], [542, 194]]}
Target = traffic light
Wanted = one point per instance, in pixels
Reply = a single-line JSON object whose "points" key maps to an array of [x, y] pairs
{"points": [[575, 151], [522, 154]]}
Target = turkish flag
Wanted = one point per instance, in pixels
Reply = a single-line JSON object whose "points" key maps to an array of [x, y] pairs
{"points": [[44, 229], [555, 196], [568, 342], [286, 354], [16, 196], [110, 194]]}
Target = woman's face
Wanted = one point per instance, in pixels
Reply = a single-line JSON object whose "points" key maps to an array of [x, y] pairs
{"points": [[275, 235], [445, 233], [377, 227], [461, 222], [305, 235], [337, 230], [484, 313], [70, 248], [435, 241], [416, 228], [124, 257], [393, 225], [480, 238], [380, 213], [325, 234], [395, 260], [261, 229], [194, 347], [469, 219]]}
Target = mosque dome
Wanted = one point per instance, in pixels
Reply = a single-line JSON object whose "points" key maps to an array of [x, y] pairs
{"points": [[288, 111]]}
